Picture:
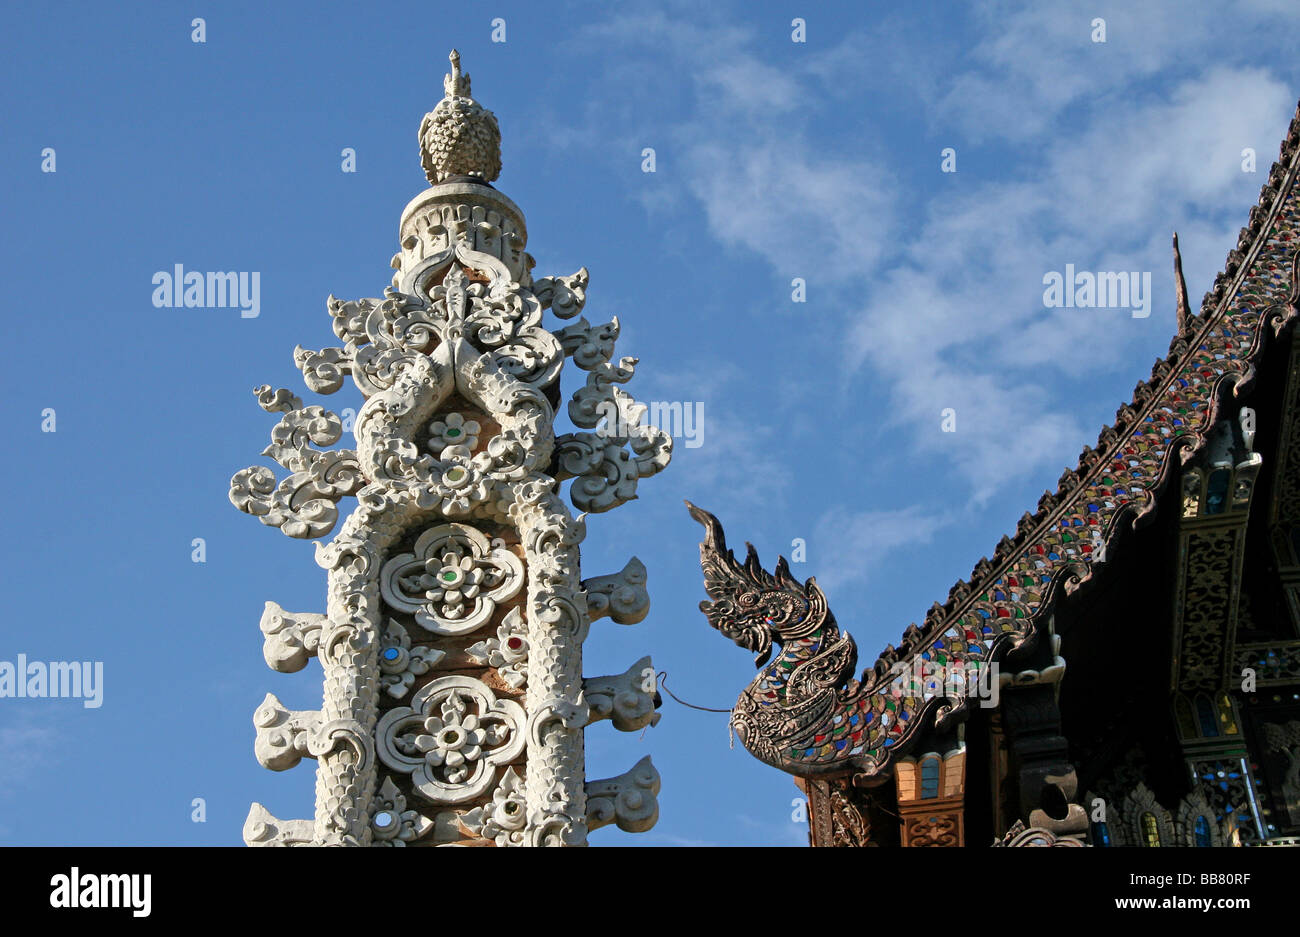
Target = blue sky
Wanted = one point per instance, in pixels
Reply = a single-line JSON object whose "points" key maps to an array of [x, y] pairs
{"points": [[774, 160]]}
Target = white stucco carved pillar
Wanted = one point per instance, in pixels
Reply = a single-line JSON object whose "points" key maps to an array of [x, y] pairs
{"points": [[454, 702]]}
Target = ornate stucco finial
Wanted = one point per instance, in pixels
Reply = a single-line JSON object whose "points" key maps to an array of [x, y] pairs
{"points": [[459, 137], [454, 84]]}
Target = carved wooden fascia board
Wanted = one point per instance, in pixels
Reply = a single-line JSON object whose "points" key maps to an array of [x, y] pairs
{"points": [[939, 822], [1217, 489], [840, 814], [1284, 508], [817, 791], [1275, 663]]}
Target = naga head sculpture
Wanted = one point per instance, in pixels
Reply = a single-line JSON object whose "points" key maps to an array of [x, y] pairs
{"points": [[794, 714], [751, 606]]}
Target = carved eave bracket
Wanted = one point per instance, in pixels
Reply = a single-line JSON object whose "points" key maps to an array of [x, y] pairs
{"points": [[290, 639], [263, 829], [284, 736], [630, 800], [629, 699], [1020, 835], [622, 596]]}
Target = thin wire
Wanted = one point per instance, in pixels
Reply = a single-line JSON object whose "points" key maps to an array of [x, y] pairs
{"points": [[663, 685], [662, 678]]}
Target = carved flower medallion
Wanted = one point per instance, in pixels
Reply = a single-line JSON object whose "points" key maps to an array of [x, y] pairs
{"points": [[453, 430], [452, 738], [453, 579], [453, 742]]}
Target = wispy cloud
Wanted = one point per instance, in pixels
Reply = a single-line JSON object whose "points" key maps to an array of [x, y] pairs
{"points": [[740, 136], [671, 839], [788, 833], [947, 311], [737, 458], [26, 745], [862, 539], [971, 278]]}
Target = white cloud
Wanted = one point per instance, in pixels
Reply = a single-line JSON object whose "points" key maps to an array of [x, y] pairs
{"points": [[799, 210], [736, 461], [742, 143], [1116, 145], [25, 745], [862, 539], [971, 278]]}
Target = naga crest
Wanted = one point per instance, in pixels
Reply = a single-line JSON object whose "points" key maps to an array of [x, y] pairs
{"points": [[751, 606]]}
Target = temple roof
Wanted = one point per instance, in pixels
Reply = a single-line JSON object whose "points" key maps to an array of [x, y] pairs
{"points": [[804, 714], [1061, 543]]}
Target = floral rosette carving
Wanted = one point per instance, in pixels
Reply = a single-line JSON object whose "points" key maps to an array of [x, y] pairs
{"points": [[400, 664], [391, 823], [452, 430], [507, 652], [451, 739], [502, 820], [452, 580]]}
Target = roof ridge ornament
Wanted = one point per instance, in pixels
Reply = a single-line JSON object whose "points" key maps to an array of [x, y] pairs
{"points": [[459, 137], [1180, 292]]}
